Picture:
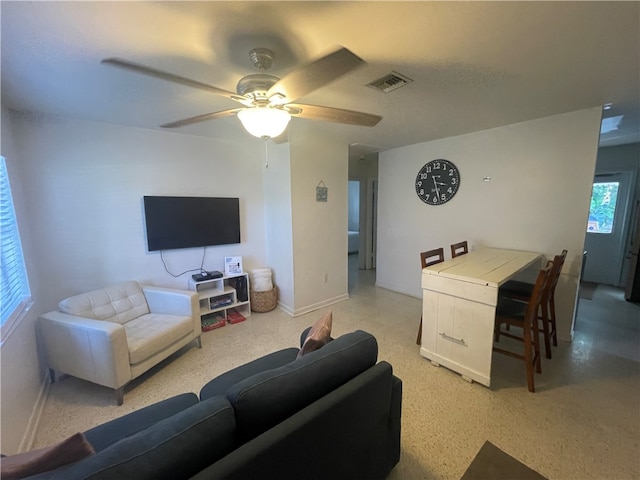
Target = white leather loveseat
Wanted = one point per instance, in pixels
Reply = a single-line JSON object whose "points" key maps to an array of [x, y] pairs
{"points": [[112, 335]]}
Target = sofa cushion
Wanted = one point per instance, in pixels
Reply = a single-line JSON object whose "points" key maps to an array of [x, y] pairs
{"points": [[118, 303], [172, 449], [23, 465], [265, 399], [153, 332], [111, 432], [221, 384], [318, 336]]}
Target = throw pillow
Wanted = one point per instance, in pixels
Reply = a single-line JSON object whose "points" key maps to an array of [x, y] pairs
{"points": [[318, 336], [26, 464]]}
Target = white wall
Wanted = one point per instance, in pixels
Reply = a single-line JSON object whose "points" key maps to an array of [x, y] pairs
{"points": [[319, 228], [307, 240], [77, 191], [85, 187], [278, 223], [538, 199], [22, 380]]}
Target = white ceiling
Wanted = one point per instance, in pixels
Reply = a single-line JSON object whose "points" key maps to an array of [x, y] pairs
{"points": [[474, 65]]}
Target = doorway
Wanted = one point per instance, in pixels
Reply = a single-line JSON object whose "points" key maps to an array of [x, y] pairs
{"points": [[607, 228], [353, 230], [363, 178]]}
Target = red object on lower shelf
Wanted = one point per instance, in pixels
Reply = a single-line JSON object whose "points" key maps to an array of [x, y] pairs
{"points": [[235, 317], [212, 323]]}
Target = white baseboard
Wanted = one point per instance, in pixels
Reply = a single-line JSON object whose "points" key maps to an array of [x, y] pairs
{"points": [[34, 420], [316, 306], [393, 288], [285, 308]]}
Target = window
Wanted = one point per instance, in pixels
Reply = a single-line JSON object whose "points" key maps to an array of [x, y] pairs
{"points": [[603, 207], [14, 285]]}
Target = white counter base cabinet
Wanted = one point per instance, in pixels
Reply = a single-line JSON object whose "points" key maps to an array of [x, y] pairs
{"points": [[459, 299], [458, 334], [219, 295]]}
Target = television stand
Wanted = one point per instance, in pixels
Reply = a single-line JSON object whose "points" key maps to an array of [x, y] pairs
{"points": [[219, 297]]}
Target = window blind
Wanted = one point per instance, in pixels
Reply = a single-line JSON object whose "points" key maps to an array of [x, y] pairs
{"points": [[14, 286]]}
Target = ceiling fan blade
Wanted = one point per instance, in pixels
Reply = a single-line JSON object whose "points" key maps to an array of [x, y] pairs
{"points": [[202, 118], [152, 72], [331, 114], [305, 79]]}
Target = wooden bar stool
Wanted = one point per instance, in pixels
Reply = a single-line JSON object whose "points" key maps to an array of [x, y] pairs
{"points": [[518, 314], [547, 316], [459, 248], [430, 257]]}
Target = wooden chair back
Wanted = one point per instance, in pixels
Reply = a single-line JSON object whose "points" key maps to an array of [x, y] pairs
{"points": [[548, 313], [540, 289], [459, 248], [558, 262], [431, 257]]}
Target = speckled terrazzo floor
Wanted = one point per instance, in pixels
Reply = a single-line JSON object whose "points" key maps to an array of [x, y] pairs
{"points": [[582, 423]]}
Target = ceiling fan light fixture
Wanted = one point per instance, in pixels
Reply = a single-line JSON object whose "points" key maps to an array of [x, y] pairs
{"points": [[264, 121]]}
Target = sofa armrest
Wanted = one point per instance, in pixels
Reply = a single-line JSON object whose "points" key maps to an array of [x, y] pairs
{"points": [[93, 350], [171, 301], [395, 421]]}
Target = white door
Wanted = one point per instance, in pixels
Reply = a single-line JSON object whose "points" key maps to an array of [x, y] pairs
{"points": [[606, 228]]}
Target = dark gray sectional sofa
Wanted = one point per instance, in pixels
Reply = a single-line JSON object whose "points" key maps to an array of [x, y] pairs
{"points": [[331, 414]]}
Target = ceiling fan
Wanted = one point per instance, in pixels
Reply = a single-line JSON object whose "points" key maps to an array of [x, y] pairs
{"points": [[269, 102]]}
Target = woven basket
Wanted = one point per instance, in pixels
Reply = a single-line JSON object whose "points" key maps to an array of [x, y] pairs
{"points": [[264, 301]]}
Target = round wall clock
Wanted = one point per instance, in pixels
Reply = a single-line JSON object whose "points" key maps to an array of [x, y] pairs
{"points": [[437, 182]]}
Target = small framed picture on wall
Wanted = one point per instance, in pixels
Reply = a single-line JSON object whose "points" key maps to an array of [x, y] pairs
{"points": [[232, 265]]}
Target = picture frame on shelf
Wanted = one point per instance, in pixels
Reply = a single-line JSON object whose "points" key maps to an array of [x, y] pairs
{"points": [[232, 266]]}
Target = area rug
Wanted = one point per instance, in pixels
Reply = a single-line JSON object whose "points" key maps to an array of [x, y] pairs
{"points": [[587, 289], [491, 463]]}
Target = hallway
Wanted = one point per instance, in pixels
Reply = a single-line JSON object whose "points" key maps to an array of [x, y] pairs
{"points": [[608, 323]]}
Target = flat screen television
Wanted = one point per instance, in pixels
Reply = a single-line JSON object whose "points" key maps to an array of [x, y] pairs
{"points": [[187, 222]]}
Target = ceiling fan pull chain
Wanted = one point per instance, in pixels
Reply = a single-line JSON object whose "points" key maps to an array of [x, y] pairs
{"points": [[266, 152]]}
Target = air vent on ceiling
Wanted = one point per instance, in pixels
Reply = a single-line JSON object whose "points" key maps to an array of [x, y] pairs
{"points": [[390, 82]]}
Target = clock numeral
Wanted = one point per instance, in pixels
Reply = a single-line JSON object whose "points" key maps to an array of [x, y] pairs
{"points": [[420, 183], [421, 191], [426, 197], [443, 196], [454, 181], [436, 165], [451, 172], [423, 176]]}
